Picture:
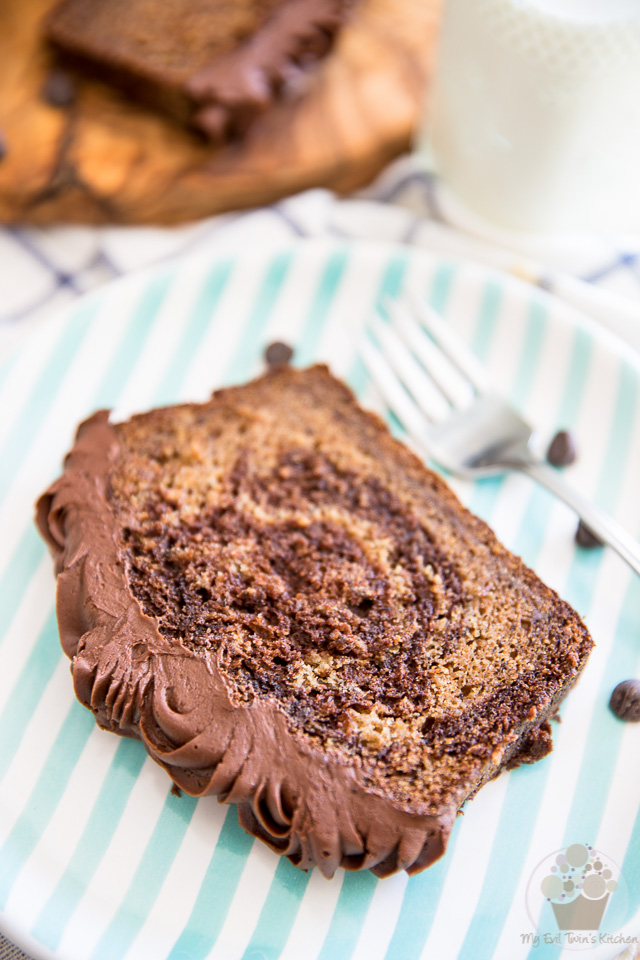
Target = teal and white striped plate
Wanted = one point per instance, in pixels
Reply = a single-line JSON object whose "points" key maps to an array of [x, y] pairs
{"points": [[98, 861]]}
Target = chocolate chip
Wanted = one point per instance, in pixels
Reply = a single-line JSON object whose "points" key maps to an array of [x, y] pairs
{"points": [[562, 449], [625, 700], [278, 354], [59, 89], [3, 147], [586, 538]]}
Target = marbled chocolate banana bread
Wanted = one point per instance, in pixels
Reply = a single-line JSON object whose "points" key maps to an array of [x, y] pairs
{"points": [[294, 614], [212, 64]]}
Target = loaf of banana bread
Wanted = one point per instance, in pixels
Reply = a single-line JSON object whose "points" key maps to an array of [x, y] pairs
{"points": [[294, 614], [212, 64]]}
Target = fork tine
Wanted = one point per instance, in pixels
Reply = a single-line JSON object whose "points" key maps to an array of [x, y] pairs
{"points": [[416, 381], [449, 342], [455, 387], [394, 394]]}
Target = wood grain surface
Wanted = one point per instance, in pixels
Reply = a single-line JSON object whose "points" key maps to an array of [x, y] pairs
{"points": [[104, 159]]}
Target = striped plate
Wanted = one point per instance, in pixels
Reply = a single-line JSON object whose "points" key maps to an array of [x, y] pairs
{"points": [[98, 861]]}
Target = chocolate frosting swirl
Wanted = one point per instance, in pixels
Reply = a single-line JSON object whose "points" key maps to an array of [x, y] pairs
{"points": [[235, 88], [301, 802]]}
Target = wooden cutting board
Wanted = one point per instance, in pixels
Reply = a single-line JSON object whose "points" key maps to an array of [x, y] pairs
{"points": [[104, 159]]}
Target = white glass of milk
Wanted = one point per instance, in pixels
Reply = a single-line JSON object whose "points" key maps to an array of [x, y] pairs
{"points": [[534, 119]]}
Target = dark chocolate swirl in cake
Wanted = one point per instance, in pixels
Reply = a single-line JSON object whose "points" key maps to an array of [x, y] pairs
{"points": [[301, 618]]}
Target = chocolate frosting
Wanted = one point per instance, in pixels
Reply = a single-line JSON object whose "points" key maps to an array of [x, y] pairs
{"points": [[300, 801], [235, 88]]}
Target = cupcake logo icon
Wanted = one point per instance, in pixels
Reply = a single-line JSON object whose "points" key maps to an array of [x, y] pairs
{"points": [[578, 887], [576, 897]]}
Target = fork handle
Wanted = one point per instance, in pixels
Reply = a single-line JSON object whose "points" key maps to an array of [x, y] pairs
{"points": [[600, 523]]}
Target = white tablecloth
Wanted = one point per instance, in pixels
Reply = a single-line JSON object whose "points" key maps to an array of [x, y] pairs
{"points": [[42, 269]]}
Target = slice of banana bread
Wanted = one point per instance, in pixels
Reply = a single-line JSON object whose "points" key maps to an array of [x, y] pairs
{"points": [[294, 614], [214, 64]]}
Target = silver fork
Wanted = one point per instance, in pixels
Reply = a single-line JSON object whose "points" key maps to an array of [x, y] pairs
{"points": [[439, 393]]}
